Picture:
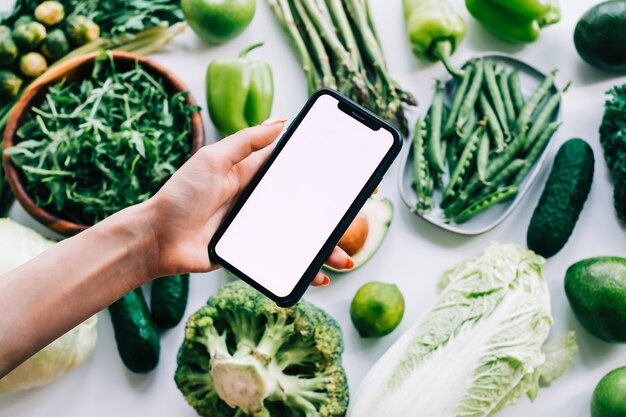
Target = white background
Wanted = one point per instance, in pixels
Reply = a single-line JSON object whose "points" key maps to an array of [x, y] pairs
{"points": [[414, 254]]}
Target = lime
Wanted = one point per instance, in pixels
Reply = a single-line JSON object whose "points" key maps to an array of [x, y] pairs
{"points": [[377, 309], [216, 21], [609, 397]]}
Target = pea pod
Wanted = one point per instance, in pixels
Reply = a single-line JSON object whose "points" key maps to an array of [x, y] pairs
{"points": [[516, 91], [492, 122], [457, 177], [486, 202], [496, 97], [535, 151], [472, 95], [482, 159], [542, 119], [434, 130], [516, 166], [531, 105], [506, 97], [457, 101], [421, 169]]}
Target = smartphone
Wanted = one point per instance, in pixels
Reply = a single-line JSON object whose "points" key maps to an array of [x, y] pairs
{"points": [[286, 223]]}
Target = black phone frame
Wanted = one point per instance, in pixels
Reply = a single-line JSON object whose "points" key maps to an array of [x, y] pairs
{"points": [[358, 113]]}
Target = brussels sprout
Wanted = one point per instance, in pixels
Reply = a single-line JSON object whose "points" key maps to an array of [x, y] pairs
{"points": [[82, 30], [8, 49], [50, 13], [33, 64], [28, 36], [55, 45], [23, 20], [10, 85]]}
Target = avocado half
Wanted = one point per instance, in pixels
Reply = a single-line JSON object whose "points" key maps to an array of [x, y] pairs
{"points": [[379, 214]]}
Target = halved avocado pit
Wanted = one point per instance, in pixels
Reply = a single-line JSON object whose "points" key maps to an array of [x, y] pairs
{"points": [[353, 240], [367, 232]]}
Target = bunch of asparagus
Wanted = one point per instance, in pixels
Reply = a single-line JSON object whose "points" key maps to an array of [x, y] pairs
{"points": [[338, 47]]}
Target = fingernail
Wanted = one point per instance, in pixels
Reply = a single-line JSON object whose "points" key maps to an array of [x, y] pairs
{"points": [[326, 281], [349, 263], [274, 121]]}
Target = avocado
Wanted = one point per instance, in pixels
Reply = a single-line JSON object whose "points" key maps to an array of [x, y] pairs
{"points": [[379, 214], [596, 290], [600, 35]]}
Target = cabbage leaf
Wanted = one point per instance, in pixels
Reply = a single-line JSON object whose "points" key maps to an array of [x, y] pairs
{"points": [[18, 245], [479, 348]]}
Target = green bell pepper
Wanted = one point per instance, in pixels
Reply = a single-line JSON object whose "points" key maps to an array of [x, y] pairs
{"points": [[239, 92], [435, 30], [515, 20]]}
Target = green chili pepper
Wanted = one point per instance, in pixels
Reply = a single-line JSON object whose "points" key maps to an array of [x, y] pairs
{"points": [[435, 30], [515, 20], [239, 92]]}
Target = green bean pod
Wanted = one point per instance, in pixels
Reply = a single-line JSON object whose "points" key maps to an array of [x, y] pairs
{"points": [[506, 97], [465, 161], [492, 122], [466, 131], [496, 97], [482, 158], [421, 168], [457, 101], [516, 166], [542, 119], [486, 202], [494, 167], [472, 95], [434, 130], [515, 88], [536, 151], [527, 112]]}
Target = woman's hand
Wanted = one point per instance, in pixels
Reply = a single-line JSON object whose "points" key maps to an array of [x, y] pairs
{"points": [[186, 212]]}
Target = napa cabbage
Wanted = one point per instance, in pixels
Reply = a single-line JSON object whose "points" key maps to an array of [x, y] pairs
{"points": [[479, 348]]}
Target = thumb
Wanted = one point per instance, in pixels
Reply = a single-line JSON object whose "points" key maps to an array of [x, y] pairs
{"points": [[237, 147]]}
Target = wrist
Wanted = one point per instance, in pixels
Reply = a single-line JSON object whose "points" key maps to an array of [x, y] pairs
{"points": [[130, 231]]}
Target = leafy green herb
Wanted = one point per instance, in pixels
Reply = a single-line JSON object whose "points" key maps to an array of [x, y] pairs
{"points": [[102, 144], [115, 17]]}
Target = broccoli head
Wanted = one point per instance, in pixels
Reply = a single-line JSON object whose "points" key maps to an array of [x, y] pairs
{"points": [[245, 356]]}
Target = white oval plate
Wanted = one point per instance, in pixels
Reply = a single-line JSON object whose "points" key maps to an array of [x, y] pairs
{"points": [[530, 78]]}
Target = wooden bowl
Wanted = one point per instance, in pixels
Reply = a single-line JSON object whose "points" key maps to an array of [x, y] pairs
{"points": [[77, 69]]}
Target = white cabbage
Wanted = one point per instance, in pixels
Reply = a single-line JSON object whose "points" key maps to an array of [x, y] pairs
{"points": [[19, 244], [477, 350]]}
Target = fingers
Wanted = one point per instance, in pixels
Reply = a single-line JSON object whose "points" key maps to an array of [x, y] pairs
{"points": [[247, 168], [339, 259], [237, 147], [320, 280]]}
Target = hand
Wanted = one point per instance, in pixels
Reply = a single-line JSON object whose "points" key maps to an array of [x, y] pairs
{"points": [[188, 209]]}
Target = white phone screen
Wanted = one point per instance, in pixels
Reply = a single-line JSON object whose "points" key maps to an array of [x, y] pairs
{"points": [[303, 196]]}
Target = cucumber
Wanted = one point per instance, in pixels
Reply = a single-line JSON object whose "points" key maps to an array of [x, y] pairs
{"points": [[136, 335], [600, 35], [168, 300], [562, 199]]}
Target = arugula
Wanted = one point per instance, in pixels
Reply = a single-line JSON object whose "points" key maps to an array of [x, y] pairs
{"points": [[96, 146]]}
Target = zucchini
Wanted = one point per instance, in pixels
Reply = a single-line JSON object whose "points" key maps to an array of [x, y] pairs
{"points": [[562, 199], [168, 300], [135, 334]]}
